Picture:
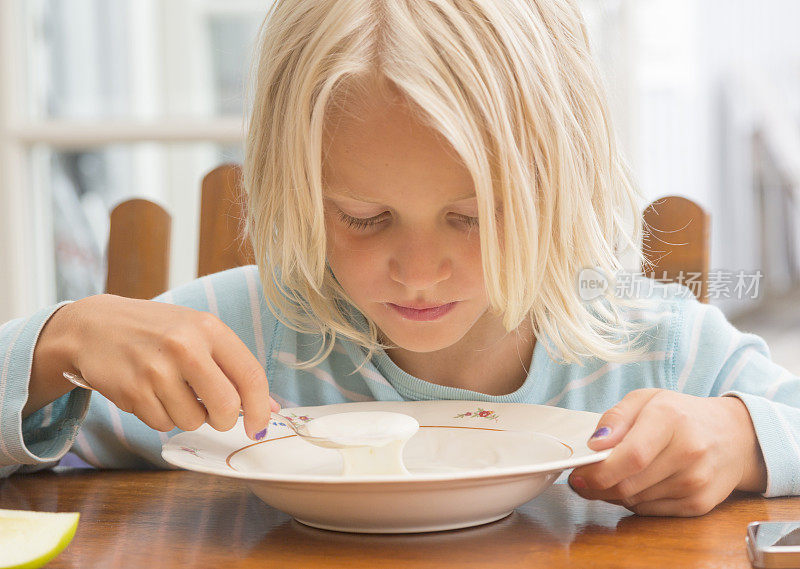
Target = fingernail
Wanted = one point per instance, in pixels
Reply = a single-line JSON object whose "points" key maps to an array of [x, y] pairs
{"points": [[261, 434], [601, 433], [578, 482], [274, 405]]}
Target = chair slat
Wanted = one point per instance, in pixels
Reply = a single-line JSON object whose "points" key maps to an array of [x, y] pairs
{"points": [[221, 220], [138, 249], [676, 243]]}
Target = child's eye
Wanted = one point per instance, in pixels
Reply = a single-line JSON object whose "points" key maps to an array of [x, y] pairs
{"points": [[467, 220], [363, 223]]}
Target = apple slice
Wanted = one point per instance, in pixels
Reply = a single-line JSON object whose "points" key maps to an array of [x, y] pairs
{"points": [[31, 539]]}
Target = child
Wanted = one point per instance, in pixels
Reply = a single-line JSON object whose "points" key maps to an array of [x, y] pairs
{"points": [[425, 180]]}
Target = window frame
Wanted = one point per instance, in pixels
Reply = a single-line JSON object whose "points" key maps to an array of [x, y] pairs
{"points": [[26, 222]]}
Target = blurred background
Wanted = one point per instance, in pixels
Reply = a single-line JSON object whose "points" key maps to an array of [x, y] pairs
{"points": [[103, 100]]}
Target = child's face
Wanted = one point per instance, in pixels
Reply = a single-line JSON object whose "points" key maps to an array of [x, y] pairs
{"points": [[401, 218]]}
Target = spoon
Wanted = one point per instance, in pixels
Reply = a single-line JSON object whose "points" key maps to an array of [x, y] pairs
{"points": [[300, 429]]}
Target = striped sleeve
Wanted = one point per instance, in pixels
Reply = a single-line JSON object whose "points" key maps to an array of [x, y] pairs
{"points": [[41, 439], [112, 438], [713, 358], [94, 428]]}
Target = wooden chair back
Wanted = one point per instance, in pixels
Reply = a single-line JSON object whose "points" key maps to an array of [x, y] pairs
{"points": [[676, 243], [676, 240], [221, 220], [138, 249]]}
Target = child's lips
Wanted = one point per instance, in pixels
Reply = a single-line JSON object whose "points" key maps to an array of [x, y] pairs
{"points": [[424, 314]]}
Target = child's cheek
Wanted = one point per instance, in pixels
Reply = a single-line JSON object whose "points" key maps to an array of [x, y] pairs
{"points": [[345, 241], [355, 259]]}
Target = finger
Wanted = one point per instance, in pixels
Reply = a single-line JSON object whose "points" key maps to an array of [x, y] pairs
{"points": [[151, 412], [635, 488], [245, 372], [689, 506], [180, 402], [615, 423], [674, 487], [696, 481], [220, 398], [650, 435], [130, 396]]}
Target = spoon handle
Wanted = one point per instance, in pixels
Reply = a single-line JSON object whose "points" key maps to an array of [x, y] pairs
{"points": [[78, 380]]}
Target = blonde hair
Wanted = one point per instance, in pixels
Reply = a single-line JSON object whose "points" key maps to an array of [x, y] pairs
{"points": [[512, 86]]}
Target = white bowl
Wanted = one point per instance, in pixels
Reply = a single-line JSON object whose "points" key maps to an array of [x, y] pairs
{"points": [[470, 463]]}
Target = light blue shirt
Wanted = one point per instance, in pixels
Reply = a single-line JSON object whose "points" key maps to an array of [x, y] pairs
{"points": [[693, 349]]}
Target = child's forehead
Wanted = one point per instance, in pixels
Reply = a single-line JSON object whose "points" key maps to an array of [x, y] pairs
{"points": [[386, 159], [384, 147]]}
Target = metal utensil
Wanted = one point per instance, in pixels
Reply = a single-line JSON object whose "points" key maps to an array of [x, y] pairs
{"points": [[300, 429]]}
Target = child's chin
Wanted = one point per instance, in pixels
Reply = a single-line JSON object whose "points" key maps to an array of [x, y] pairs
{"points": [[423, 342]]}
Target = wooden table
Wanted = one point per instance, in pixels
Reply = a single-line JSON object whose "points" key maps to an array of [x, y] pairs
{"points": [[159, 520]]}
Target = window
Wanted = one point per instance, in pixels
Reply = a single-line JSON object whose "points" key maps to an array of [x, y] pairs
{"points": [[102, 101]]}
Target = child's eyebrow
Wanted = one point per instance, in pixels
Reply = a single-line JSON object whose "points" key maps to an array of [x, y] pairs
{"points": [[353, 196]]}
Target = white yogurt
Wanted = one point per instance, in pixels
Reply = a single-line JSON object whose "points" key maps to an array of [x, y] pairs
{"points": [[371, 442]]}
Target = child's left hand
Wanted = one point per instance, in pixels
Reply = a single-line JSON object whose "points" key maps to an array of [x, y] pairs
{"points": [[675, 455]]}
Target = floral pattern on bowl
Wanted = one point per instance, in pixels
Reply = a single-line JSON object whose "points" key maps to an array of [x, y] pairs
{"points": [[480, 413]]}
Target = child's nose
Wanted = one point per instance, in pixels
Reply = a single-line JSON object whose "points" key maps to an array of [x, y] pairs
{"points": [[420, 264]]}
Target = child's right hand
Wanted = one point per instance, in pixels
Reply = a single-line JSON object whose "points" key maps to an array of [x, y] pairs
{"points": [[151, 358]]}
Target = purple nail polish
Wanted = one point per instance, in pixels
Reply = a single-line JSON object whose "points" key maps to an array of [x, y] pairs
{"points": [[261, 434], [602, 432]]}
